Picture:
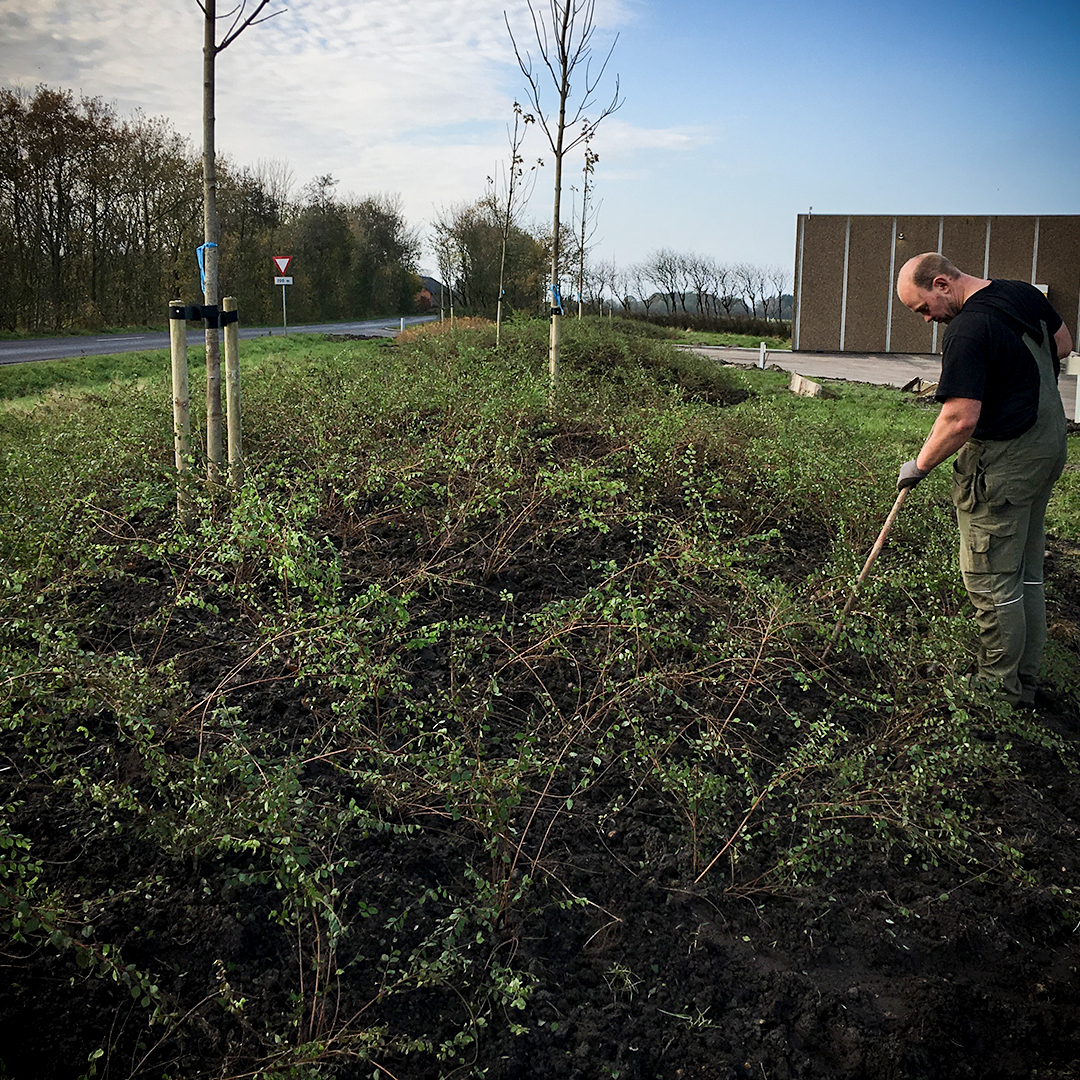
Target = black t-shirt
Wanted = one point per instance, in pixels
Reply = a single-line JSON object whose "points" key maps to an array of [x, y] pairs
{"points": [[984, 356]]}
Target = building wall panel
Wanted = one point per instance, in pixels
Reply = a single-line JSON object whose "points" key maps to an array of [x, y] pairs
{"points": [[1012, 244], [822, 283], [914, 235], [963, 241], [1059, 266], [869, 289]]}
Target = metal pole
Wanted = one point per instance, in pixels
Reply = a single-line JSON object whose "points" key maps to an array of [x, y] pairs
{"points": [[232, 396], [284, 318], [181, 410]]}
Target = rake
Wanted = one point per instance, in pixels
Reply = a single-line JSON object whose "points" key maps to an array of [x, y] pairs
{"points": [[875, 551]]}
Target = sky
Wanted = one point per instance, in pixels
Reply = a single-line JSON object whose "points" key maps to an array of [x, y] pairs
{"points": [[735, 117]]}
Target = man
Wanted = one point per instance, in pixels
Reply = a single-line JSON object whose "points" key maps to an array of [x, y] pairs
{"points": [[1002, 411]]}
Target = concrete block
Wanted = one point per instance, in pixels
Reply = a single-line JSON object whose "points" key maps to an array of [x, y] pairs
{"points": [[804, 387]]}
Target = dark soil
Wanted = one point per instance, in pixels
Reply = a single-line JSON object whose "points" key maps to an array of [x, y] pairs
{"points": [[891, 968]]}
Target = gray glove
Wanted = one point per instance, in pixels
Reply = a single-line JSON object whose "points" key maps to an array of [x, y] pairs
{"points": [[910, 475]]}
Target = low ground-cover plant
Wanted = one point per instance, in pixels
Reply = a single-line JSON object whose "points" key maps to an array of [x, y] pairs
{"points": [[350, 723]]}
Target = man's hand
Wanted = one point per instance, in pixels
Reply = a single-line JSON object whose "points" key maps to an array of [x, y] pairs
{"points": [[910, 475]]}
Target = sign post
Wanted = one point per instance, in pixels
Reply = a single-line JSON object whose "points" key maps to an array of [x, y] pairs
{"points": [[281, 263]]}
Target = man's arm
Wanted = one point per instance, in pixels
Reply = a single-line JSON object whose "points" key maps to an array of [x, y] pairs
{"points": [[952, 428], [1063, 340]]}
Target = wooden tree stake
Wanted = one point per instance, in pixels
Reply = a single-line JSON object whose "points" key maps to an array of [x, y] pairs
{"points": [[232, 397], [181, 413]]}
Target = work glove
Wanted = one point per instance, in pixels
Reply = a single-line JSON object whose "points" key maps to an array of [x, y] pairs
{"points": [[910, 475]]}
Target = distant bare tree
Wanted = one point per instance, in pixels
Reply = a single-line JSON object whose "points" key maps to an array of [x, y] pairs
{"points": [[622, 287], [600, 284], [751, 283], [564, 40], [779, 283], [700, 270], [683, 277], [760, 280], [662, 267], [721, 287], [276, 178], [641, 281]]}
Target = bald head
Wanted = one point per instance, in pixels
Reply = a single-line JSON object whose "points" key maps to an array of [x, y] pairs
{"points": [[931, 286], [922, 269]]}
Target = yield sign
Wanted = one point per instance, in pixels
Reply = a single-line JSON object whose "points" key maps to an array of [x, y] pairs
{"points": [[282, 263]]}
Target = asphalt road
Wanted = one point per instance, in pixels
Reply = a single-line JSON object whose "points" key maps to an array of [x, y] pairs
{"points": [[65, 348], [883, 369]]}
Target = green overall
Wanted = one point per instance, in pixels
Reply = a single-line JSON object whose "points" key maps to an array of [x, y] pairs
{"points": [[1000, 490]]}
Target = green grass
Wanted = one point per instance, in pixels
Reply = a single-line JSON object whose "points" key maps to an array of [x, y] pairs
{"points": [[32, 380], [27, 335], [745, 341]]}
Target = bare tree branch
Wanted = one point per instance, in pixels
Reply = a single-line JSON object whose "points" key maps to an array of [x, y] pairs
{"points": [[240, 24]]}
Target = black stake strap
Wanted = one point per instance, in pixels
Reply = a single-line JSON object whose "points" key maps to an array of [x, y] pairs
{"points": [[203, 312]]}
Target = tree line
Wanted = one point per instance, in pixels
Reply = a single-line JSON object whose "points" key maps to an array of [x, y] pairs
{"points": [[101, 216], [688, 283], [666, 283]]}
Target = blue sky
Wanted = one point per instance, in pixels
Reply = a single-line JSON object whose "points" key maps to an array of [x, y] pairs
{"points": [[736, 117]]}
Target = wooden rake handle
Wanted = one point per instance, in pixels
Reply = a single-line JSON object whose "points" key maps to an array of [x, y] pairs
{"points": [[875, 551]]}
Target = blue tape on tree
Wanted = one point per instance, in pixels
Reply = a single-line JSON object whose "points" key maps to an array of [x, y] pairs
{"points": [[202, 267]]}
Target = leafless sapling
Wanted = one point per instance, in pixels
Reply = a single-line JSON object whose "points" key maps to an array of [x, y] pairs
{"points": [[563, 32]]}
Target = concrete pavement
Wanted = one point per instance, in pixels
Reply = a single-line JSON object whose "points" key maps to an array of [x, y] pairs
{"points": [[882, 369]]}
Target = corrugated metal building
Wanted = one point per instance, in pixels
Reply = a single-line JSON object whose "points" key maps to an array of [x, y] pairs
{"points": [[846, 267]]}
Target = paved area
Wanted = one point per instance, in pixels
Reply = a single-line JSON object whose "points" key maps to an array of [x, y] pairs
{"points": [[883, 369], [66, 348]]}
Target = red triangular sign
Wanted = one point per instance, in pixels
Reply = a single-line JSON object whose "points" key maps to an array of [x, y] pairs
{"points": [[282, 263]]}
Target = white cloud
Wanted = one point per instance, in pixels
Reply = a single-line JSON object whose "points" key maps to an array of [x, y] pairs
{"points": [[619, 138]]}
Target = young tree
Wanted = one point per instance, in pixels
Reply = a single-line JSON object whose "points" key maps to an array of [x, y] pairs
{"points": [[588, 221], [211, 48], [516, 196], [564, 39]]}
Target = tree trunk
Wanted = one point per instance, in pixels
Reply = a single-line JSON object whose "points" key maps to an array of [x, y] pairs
{"points": [[210, 252], [556, 298]]}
